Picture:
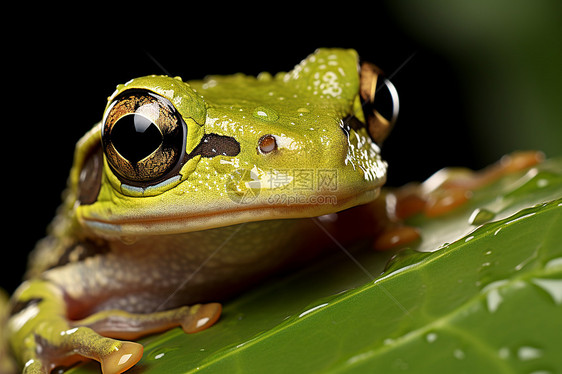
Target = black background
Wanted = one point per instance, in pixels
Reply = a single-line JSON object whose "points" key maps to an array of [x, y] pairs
{"points": [[60, 72]]}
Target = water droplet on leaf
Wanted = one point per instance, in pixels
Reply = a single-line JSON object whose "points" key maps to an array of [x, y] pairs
{"points": [[431, 337], [526, 353], [553, 287], [480, 216]]}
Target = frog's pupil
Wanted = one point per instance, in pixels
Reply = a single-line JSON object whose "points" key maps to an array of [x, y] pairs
{"points": [[134, 136]]}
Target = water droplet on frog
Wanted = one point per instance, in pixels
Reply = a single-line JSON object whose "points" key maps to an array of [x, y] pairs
{"points": [[266, 114], [302, 111]]}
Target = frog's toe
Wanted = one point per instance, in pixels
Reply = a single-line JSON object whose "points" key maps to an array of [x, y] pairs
{"points": [[201, 317], [121, 359], [82, 343], [34, 367]]}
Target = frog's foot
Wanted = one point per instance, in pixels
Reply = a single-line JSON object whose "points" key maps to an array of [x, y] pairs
{"points": [[450, 188], [124, 325], [440, 194], [75, 345], [43, 338], [395, 236], [94, 337]]}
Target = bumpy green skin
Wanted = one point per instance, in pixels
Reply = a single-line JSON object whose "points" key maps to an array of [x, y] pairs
{"points": [[303, 109], [147, 249]]}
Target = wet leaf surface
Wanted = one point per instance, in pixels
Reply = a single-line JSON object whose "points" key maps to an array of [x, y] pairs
{"points": [[482, 292]]}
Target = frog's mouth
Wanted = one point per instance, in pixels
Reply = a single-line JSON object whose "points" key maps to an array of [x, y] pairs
{"points": [[158, 217], [221, 214]]}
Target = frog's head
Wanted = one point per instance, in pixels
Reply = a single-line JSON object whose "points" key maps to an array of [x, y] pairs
{"points": [[171, 156]]}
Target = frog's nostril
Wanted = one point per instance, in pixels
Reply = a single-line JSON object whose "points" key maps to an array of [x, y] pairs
{"points": [[267, 144]]}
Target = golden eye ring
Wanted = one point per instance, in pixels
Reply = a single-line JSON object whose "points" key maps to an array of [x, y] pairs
{"points": [[372, 81], [143, 137]]}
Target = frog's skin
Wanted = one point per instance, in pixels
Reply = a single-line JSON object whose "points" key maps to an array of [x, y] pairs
{"points": [[222, 201]]}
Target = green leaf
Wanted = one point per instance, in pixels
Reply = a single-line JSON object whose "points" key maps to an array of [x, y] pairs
{"points": [[476, 299]]}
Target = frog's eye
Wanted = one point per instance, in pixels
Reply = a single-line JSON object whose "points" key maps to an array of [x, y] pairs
{"points": [[380, 102], [143, 137]]}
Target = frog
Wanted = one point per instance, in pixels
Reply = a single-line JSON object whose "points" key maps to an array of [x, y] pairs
{"points": [[187, 193]]}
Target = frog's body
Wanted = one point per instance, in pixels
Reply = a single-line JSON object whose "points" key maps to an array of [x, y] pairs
{"points": [[156, 273], [218, 201]]}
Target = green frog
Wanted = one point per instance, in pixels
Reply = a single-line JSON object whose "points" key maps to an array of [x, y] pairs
{"points": [[186, 193]]}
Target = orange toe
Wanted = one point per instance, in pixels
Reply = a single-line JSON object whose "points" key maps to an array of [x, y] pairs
{"points": [[122, 359]]}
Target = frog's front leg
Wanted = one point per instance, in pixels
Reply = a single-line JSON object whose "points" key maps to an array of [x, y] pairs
{"points": [[43, 337]]}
